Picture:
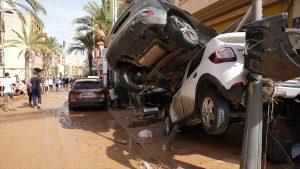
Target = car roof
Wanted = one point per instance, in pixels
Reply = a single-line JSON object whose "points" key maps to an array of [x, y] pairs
{"points": [[87, 80], [233, 37]]}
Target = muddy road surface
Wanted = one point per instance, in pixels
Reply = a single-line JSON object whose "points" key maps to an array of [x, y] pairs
{"points": [[54, 138]]}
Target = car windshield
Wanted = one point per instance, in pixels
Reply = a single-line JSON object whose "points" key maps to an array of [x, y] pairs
{"points": [[87, 85]]}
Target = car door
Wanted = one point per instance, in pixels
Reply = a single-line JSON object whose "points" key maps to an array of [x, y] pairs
{"points": [[176, 108], [188, 88]]}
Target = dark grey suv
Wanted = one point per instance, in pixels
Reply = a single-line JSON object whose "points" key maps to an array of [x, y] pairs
{"points": [[152, 42]]}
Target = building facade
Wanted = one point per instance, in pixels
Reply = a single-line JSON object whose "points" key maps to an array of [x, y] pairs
{"points": [[13, 60], [224, 14]]}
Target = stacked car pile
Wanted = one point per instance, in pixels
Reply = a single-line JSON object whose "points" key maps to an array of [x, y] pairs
{"points": [[155, 43]]}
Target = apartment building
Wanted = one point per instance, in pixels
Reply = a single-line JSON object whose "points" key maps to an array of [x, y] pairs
{"points": [[12, 62]]}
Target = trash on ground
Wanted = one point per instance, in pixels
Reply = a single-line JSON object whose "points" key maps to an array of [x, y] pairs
{"points": [[145, 134], [149, 112], [143, 122], [144, 165]]}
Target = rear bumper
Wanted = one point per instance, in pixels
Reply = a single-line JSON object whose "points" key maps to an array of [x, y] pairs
{"points": [[89, 103], [287, 92], [273, 50], [130, 40]]}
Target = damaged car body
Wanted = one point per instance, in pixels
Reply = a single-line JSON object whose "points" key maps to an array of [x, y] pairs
{"points": [[152, 42], [273, 51], [213, 87]]}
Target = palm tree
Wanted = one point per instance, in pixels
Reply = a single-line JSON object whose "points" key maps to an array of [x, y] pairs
{"points": [[99, 17], [30, 6], [84, 44], [50, 48], [31, 43]]}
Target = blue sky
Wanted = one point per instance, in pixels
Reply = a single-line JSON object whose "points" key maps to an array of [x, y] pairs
{"points": [[60, 14]]}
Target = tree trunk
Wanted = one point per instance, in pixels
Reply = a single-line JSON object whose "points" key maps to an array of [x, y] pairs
{"points": [[27, 71], [90, 59]]}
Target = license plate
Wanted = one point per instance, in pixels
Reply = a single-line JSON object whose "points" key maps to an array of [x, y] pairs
{"points": [[88, 94]]}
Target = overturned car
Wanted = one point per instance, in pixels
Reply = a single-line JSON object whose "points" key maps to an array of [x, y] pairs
{"points": [[152, 42]]}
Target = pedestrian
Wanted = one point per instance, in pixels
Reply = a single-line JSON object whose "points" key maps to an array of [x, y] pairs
{"points": [[50, 82], [57, 83], [46, 83], [36, 90], [7, 83], [29, 93]]}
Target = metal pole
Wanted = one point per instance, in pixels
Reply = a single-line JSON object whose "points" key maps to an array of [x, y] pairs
{"points": [[252, 140], [115, 18]]}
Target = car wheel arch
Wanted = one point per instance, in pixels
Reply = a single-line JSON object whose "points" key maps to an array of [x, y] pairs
{"points": [[205, 82]]}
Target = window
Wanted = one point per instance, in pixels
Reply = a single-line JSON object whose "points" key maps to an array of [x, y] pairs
{"points": [[196, 61], [87, 85]]}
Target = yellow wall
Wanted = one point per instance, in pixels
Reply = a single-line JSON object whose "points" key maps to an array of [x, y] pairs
{"points": [[268, 11]]}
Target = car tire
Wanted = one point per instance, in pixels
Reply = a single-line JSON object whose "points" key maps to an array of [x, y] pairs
{"points": [[187, 39], [71, 108], [215, 113], [126, 82], [105, 106], [168, 125]]}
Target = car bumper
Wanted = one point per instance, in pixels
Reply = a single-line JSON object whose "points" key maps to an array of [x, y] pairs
{"points": [[90, 103], [287, 92], [124, 42]]}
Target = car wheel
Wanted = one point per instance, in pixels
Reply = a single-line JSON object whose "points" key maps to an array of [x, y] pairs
{"points": [[215, 113], [168, 125], [182, 32], [105, 106], [125, 80], [71, 108]]}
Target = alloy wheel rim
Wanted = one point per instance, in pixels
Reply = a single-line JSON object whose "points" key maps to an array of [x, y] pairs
{"points": [[208, 112], [186, 29]]}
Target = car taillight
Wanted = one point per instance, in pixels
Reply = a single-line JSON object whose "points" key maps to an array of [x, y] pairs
{"points": [[148, 12], [223, 55], [73, 94], [237, 85]]}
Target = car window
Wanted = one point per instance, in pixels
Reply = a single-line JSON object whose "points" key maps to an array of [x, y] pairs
{"points": [[87, 85], [195, 62]]}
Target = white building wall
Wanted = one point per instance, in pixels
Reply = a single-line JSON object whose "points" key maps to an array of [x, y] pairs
{"points": [[14, 62]]}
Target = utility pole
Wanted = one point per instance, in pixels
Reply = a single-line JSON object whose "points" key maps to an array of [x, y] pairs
{"points": [[114, 20], [252, 140]]}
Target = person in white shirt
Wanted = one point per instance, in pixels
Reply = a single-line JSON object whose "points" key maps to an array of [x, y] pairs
{"points": [[7, 83]]}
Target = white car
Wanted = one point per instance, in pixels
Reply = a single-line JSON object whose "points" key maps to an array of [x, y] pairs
{"points": [[212, 91], [213, 85]]}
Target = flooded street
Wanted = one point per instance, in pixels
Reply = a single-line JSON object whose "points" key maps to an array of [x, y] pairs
{"points": [[55, 138]]}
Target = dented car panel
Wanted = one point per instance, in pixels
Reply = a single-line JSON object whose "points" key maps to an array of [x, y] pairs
{"points": [[272, 49]]}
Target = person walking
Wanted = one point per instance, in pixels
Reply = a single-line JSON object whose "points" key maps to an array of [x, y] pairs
{"points": [[36, 90], [7, 83], [29, 93]]}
